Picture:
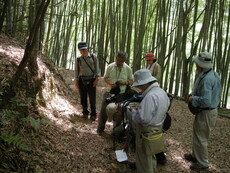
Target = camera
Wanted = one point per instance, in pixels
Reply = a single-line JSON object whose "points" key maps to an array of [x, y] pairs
{"points": [[112, 98], [116, 89], [137, 97], [113, 93]]}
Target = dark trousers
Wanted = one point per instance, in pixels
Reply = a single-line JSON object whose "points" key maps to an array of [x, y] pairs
{"points": [[85, 92], [103, 115]]}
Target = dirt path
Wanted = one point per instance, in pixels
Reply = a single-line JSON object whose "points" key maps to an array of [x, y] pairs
{"points": [[88, 152]]}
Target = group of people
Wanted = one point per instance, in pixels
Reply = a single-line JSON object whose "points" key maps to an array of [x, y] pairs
{"points": [[150, 114]]}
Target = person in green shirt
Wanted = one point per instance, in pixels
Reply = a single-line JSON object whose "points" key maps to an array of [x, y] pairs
{"points": [[118, 76]]}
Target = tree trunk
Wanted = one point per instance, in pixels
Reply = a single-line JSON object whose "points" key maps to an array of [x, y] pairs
{"points": [[129, 28], [28, 50], [124, 26], [48, 29], [101, 38], [141, 33], [3, 14]]}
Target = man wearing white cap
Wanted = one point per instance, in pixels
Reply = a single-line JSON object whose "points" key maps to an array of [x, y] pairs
{"points": [[86, 79], [206, 98], [148, 118]]}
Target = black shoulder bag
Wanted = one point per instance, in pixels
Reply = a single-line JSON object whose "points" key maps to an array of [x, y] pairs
{"points": [[87, 80], [168, 119]]}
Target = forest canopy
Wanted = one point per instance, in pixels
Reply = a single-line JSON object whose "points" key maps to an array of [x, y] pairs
{"points": [[174, 30]]}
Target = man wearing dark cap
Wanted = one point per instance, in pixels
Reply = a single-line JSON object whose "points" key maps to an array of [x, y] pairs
{"points": [[86, 78], [118, 74], [206, 98], [153, 66]]}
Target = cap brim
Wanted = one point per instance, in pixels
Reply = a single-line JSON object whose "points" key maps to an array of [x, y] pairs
{"points": [[149, 58], [83, 48]]}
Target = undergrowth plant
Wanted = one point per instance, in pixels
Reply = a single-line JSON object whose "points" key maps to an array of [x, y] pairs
{"points": [[9, 116], [36, 123], [13, 118], [15, 140]]}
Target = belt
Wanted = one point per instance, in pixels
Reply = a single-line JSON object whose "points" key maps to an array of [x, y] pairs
{"points": [[207, 108]]}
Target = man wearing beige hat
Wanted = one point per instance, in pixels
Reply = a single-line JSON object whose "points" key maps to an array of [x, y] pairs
{"points": [[205, 97], [148, 118]]}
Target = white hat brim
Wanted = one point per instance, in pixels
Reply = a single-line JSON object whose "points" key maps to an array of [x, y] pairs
{"points": [[142, 82], [83, 48], [206, 65]]}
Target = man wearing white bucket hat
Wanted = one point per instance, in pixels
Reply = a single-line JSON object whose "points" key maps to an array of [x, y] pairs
{"points": [[205, 97], [148, 118]]}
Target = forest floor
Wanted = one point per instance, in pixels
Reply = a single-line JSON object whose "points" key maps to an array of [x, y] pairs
{"points": [[71, 143]]}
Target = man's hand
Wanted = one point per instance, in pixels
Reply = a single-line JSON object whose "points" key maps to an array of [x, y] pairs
{"points": [[190, 98], [121, 82], [95, 82], [108, 82], [133, 106], [112, 85], [76, 84]]}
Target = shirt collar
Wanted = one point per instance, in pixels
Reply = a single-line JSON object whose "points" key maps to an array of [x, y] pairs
{"points": [[155, 84]]}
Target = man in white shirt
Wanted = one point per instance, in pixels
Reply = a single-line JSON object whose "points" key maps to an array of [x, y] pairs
{"points": [[117, 75], [148, 117]]}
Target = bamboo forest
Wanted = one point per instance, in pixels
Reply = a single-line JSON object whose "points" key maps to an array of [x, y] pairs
{"points": [[41, 124]]}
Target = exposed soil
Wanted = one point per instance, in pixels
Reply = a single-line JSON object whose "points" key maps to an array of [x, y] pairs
{"points": [[71, 144]]}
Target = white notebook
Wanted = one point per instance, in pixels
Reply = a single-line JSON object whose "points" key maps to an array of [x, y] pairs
{"points": [[121, 155]]}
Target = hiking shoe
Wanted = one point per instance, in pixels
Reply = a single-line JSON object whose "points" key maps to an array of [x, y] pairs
{"points": [[132, 165], [93, 118], [198, 167], [161, 158], [100, 132], [190, 158], [85, 116], [161, 162]]}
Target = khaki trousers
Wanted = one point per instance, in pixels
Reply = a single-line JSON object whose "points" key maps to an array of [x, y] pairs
{"points": [[202, 126], [144, 163]]}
